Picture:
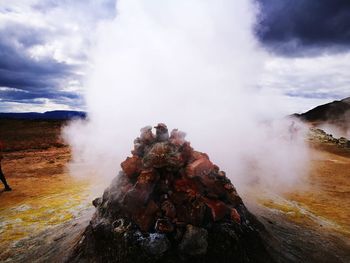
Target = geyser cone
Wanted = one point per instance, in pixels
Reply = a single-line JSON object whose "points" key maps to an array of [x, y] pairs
{"points": [[170, 203]]}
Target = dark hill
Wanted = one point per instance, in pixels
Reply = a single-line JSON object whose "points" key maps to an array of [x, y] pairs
{"points": [[334, 112]]}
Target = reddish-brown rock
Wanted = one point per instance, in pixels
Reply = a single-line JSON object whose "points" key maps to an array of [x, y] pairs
{"points": [[198, 155], [186, 185], [235, 216], [199, 167], [186, 152], [138, 195], [164, 226], [157, 156], [211, 182], [146, 177], [178, 197], [145, 217], [218, 208], [177, 137], [131, 166]]}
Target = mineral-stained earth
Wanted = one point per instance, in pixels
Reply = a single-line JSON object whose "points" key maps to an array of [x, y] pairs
{"points": [[170, 203], [44, 217]]}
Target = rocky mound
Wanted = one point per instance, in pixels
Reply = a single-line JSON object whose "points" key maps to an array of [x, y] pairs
{"points": [[320, 136], [170, 204]]}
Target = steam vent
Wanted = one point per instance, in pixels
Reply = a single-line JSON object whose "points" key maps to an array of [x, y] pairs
{"points": [[170, 203]]}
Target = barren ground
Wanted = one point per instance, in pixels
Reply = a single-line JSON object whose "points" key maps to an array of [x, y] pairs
{"points": [[44, 214], [44, 196], [312, 223]]}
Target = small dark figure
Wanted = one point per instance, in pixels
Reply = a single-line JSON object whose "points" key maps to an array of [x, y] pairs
{"points": [[2, 176], [162, 133], [293, 131]]}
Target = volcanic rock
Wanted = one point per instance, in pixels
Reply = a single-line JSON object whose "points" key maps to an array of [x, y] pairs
{"points": [[194, 241], [170, 204], [320, 136]]}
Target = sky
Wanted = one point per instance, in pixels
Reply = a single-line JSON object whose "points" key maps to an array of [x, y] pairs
{"points": [[44, 51]]}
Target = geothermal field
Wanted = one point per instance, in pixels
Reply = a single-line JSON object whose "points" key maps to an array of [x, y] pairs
{"points": [[173, 192], [187, 131]]}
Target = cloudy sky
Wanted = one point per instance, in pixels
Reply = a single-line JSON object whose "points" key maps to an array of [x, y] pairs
{"points": [[44, 46]]}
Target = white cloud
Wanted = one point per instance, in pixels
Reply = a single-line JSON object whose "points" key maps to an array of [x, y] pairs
{"points": [[62, 31], [41, 105], [308, 81], [68, 30], [67, 27]]}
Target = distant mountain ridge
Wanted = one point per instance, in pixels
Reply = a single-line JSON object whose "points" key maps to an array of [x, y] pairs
{"points": [[336, 111], [333, 117], [49, 115]]}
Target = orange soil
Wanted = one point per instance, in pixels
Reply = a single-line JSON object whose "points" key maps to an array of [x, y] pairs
{"points": [[324, 198], [43, 195], [328, 195]]}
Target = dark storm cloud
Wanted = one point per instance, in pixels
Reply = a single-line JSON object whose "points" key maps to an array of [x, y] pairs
{"points": [[23, 77], [304, 27], [30, 73]]}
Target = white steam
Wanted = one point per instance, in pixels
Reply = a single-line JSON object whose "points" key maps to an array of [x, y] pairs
{"points": [[193, 65]]}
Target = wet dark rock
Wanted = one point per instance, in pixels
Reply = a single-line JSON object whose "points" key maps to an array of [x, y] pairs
{"points": [[121, 225], [97, 202], [194, 241], [170, 204], [169, 209], [155, 244], [164, 226]]}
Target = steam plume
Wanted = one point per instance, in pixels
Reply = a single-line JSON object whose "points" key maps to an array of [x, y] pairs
{"points": [[194, 65]]}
